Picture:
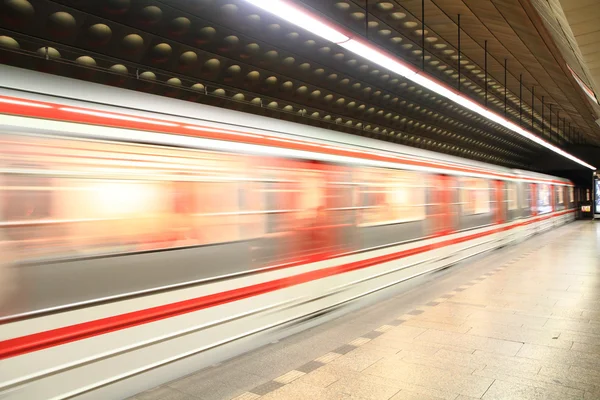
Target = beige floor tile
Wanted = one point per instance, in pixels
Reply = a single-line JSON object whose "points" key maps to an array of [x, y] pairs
{"points": [[591, 315], [297, 391], [584, 304], [408, 395], [439, 379], [403, 333], [580, 337], [359, 341], [405, 317], [554, 313], [437, 362], [501, 390], [587, 347], [441, 317], [367, 387], [554, 355], [480, 359], [575, 374], [386, 347], [572, 325], [551, 384], [478, 302], [440, 299], [246, 396], [418, 347], [289, 377], [359, 359], [384, 328], [300, 391], [508, 318], [587, 371], [520, 334], [437, 325], [491, 345], [327, 358], [454, 310], [325, 376], [424, 392]]}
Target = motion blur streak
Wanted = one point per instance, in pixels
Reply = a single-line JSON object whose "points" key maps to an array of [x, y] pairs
{"points": [[134, 241]]}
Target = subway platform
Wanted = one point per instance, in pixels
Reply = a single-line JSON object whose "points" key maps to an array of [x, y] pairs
{"points": [[520, 323]]}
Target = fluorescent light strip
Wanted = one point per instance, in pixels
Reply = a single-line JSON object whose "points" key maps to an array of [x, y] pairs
{"points": [[372, 54], [117, 116], [300, 18], [281, 9], [24, 103]]}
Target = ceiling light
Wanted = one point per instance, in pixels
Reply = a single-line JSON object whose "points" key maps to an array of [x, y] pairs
{"points": [[372, 54], [298, 17]]}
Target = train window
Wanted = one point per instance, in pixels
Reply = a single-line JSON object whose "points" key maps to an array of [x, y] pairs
{"points": [[561, 195], [113, 198], [311, 192], [216, 219], [28, 209], [252, 216], [28, 196], [528, 201], [475, 196], [391, 196], [544, 198], [571, 194], [512, 195]]}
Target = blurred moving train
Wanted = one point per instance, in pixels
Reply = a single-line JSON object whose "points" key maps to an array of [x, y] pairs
{"points": [[147, 237]]}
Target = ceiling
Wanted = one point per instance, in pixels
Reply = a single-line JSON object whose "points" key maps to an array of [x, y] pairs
{"points": [[575, 29], [228, 53]]}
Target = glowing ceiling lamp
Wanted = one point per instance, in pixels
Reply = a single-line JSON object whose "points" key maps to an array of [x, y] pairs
{"points": [[380, 58], [315, 25], [301, 18]]}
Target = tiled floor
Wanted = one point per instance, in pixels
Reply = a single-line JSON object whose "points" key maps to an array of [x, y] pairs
{"points": [[523, 323]]}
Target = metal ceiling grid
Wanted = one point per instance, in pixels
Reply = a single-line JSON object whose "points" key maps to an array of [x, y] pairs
{"points": [[396, 26]]}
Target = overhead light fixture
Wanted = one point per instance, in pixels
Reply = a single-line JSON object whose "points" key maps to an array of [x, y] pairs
{"points": [[378, 57], [303, 19]]}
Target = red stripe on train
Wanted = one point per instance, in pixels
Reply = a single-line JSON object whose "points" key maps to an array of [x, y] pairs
{"points": [[56, 112], [56, 337]]}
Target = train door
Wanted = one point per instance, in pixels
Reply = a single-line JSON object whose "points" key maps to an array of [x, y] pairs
{"points": [[534, 199], [308, 211], [500, 204], [331, 229], [443, 205]]}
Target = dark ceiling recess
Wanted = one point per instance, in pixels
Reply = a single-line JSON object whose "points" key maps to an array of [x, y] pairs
{"points": [[230, 54]]}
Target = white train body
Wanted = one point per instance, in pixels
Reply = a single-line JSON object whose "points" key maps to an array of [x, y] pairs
{"points": [[148, 237]]}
